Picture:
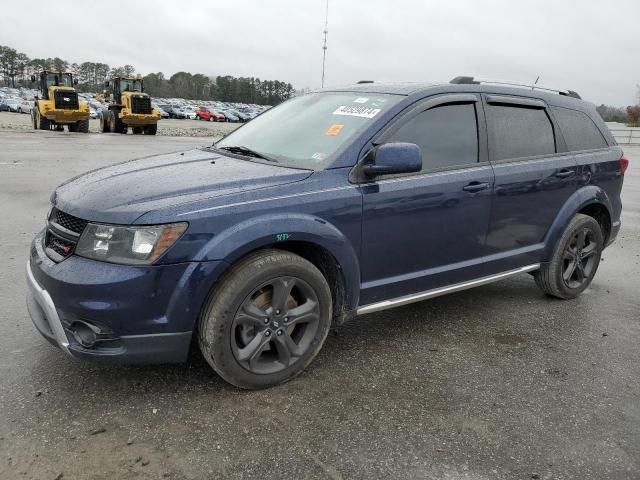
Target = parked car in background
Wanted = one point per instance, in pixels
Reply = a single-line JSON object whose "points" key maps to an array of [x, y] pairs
{"points": [[4, 107], [230, 117], [163, 113], [93, 113], [205, 113], [13, 105], [25, 106], [190, 112], [175, 112]]}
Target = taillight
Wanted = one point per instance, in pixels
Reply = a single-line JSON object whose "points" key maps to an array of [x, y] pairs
{"points": [[624, 163]]}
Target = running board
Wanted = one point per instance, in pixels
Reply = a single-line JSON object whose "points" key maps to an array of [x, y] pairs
{"points": [[418, 297]]}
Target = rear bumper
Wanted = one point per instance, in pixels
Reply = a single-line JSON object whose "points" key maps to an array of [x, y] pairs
{"points": [[138, 314]]}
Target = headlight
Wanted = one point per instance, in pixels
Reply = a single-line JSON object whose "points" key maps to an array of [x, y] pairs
{"points": [[128, 245]]}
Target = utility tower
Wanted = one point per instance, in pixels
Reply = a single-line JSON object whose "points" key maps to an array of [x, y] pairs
{"points": [[324, 45]]}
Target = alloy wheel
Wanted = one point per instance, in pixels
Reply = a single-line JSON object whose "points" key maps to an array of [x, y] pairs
{"points": [[275, 325], [580, 258]]}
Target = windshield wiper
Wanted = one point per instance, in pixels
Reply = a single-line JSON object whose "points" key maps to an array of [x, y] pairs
{"points": [[248, 152]]}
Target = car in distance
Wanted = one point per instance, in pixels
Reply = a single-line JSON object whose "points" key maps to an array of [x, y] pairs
{"points": [[209, 114], [13, 105], [333, 204], [175, 111]]}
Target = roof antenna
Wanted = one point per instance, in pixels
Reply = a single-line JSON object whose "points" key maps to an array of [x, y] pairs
{"points": [[324, 45], [535, 83]]}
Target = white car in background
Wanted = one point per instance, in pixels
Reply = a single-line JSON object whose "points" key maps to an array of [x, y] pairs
{"points": [[25, 106], [189, 112]]}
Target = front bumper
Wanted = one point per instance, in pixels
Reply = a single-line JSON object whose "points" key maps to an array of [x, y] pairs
{"points": [[139, 314]]}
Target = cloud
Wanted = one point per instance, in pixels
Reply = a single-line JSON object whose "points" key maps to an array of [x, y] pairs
{"points": [[587, 46]]}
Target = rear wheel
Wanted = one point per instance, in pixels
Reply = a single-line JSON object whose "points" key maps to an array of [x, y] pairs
{"points": [[73, 127], [115, 124], [267, 320], [83, 126], [137, 130], [104, 122], [575, 259], [151, 129]]}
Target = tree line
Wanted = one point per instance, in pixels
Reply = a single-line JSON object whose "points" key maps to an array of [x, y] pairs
{"points": [[16, 69]]}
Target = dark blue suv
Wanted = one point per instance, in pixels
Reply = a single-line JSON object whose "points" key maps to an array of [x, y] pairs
{"points": [[333, 204]]}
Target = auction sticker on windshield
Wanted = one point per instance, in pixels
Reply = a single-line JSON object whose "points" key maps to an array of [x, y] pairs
{"points": [[363, 112]]}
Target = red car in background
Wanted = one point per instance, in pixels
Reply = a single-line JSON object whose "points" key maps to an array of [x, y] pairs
{"points": [[211, 115]]}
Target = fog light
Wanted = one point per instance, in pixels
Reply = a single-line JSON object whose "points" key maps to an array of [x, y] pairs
{"points": [[83, 334]]}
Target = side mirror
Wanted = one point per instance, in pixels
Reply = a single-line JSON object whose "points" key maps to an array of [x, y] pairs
{"points": [[33, 78], [393, 158]]}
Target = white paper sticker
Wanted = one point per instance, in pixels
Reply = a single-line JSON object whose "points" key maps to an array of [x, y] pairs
{"points": [[361, 100], [363, 112]]}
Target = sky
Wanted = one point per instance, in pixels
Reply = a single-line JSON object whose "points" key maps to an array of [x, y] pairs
{"points": [[590, 46]]}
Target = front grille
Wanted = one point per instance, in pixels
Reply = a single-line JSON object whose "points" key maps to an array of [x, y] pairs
{"points": [[74, 224], [140, 104], [63, 233], [66, 100]]}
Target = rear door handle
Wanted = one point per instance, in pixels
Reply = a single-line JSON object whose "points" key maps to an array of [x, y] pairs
{"points": [[474, 187], [564, 173]]}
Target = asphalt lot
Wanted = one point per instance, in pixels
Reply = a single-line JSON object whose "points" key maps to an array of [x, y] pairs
{"points": [[499, 382]]}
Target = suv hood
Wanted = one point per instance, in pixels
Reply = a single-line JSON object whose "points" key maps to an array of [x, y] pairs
{"points": [[123, 192]]}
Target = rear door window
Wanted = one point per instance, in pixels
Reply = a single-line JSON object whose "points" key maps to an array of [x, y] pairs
{"points": [[518, 132], [447, 136], [578, 129]]}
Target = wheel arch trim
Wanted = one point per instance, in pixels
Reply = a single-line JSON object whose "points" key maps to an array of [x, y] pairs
{"points": [[581, 198], [234, 243]]}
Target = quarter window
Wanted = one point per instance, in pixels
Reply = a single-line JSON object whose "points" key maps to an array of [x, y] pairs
{"points": [[578, 130], [447, 136], [517, 132]]}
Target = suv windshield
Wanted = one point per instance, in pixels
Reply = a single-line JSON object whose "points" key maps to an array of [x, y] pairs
{"points": [[308, 131]]}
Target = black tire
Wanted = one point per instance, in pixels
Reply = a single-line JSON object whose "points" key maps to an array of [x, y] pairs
{"points": [[83, 126], [137, 130], [73, 127], [151, 129], [104, 122], [115, 124], [43, 122], [233, 324], [575, 259]]}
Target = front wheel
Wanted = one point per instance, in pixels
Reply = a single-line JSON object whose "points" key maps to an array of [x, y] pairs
{"points": [[575, 259], [151, 129], [267, 320]]}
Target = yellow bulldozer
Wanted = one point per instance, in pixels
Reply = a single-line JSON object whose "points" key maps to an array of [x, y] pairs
{"points": [[129, 107], [57, 104]]}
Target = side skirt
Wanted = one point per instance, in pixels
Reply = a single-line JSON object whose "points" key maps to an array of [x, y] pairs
{"points": [[418, 297]]}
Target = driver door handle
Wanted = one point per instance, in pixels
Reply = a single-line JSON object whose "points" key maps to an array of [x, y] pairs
{"points": [[475, 187], [564, 173]]}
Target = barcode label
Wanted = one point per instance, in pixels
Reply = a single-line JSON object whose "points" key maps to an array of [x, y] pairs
{"points": [[363, 112]]}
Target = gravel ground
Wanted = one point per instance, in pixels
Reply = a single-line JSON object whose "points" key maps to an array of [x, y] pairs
{"points": [[168, 127], [499, 382]]}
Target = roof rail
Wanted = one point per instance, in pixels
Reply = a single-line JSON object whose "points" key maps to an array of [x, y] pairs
{"points": [[360, 82], [472, 81]]}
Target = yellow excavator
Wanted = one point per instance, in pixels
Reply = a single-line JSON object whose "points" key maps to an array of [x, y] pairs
{"points": [[129, 107], [58, 105]]}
